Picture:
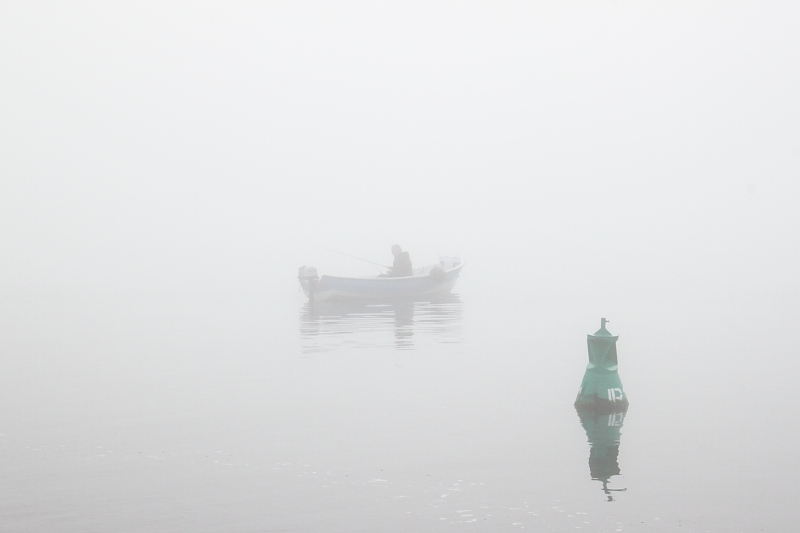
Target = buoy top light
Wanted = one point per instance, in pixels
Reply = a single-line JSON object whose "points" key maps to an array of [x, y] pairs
{"points": [[602, 349], [602, 332]]}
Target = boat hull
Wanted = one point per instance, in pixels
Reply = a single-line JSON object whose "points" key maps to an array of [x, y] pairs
{"points": [[332, 288]]}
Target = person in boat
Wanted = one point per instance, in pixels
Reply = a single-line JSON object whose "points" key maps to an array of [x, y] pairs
{"points": [[402, 263]]}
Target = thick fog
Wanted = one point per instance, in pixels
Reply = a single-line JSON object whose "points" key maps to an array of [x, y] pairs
{"points": [[197, 146], [166, 168]]}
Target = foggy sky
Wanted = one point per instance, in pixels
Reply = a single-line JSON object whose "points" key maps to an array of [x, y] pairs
{"points": [[197, 145]]}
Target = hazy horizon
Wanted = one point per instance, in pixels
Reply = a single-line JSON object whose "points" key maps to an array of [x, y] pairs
{"points": [[197, 146]]}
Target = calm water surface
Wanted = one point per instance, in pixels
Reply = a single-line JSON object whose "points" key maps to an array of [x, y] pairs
{"points": [[260, 413], [337, 325]]}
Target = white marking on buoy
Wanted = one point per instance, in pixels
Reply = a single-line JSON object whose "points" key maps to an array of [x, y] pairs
{"points": [[615, 394]]}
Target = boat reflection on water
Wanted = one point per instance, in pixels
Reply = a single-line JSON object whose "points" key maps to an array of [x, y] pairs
{"points": [[328, 326], [603, 429]]}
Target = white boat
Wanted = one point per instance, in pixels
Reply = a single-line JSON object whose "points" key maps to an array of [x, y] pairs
{"points": [[425, 281]]}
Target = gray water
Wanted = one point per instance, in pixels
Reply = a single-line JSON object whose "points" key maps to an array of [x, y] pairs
{"points": [[256, 412]]}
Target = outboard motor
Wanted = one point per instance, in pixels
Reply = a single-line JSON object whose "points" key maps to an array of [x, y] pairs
{"points": [[308, 280]]}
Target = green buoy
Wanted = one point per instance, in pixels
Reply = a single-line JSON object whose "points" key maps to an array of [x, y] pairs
{"points": [[601, 389]]}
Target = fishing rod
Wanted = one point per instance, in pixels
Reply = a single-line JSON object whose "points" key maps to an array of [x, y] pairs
{"points": [[347, 255]]}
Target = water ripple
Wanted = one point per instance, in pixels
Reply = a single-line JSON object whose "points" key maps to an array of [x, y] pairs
{"points": [[404, 325]]}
